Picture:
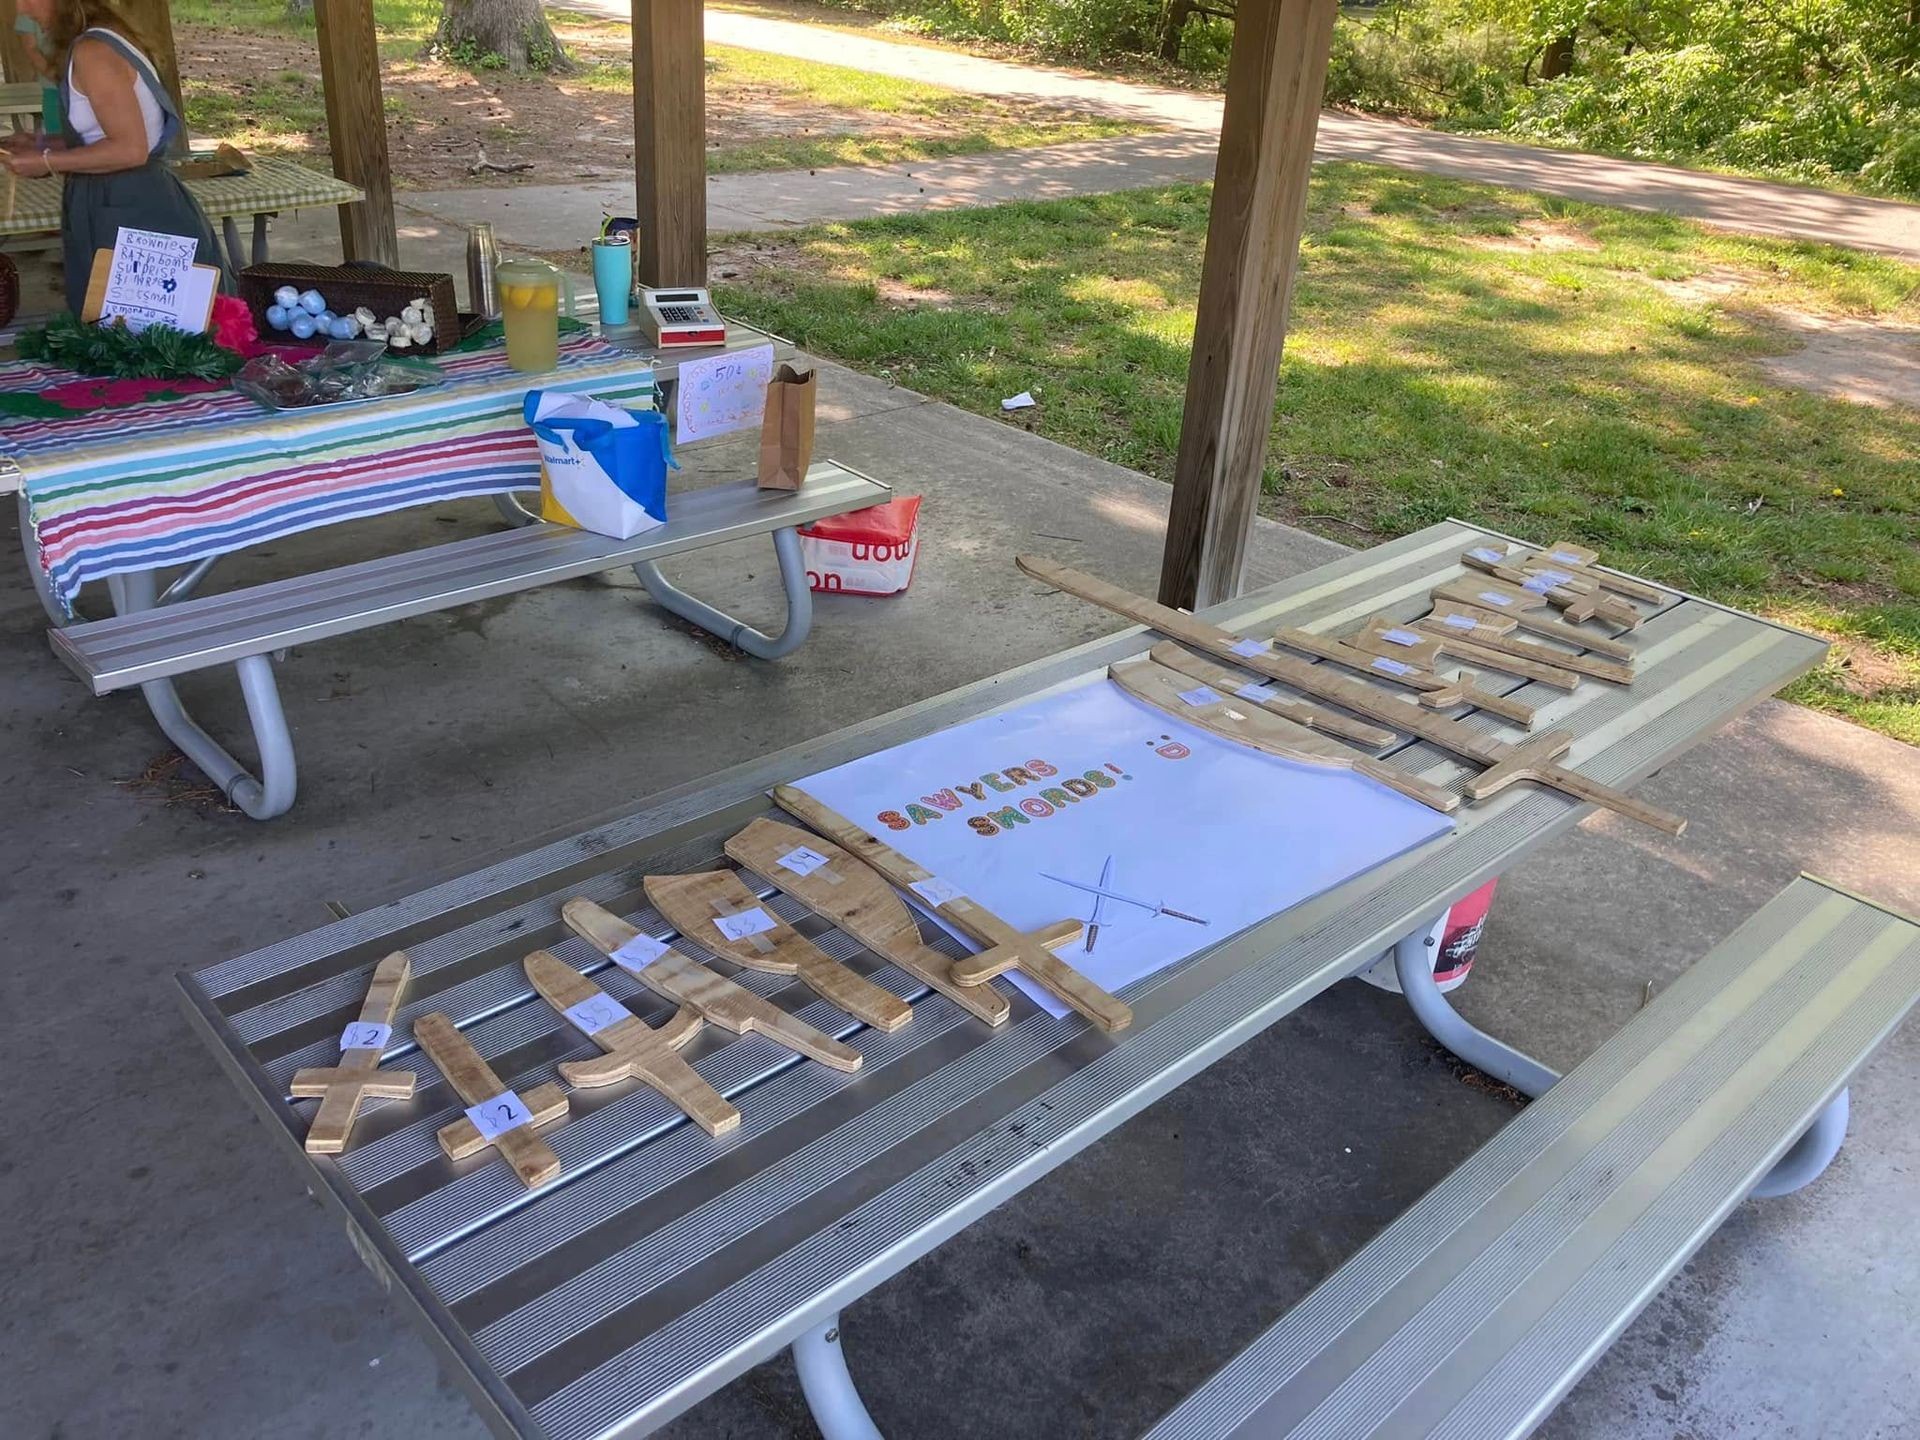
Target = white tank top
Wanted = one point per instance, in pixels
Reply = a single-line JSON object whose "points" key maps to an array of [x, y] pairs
{"points": [[87, 125]]}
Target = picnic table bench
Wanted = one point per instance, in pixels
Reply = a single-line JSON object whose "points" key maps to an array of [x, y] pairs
{"points": [[662, 1263]]}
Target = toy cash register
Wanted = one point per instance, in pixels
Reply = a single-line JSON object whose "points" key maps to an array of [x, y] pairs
{"points": [[679, 318]]}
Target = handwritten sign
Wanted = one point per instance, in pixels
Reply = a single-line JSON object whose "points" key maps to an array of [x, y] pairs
{"points": [[151, 279], [365, 1035], [595, 1013], [493, 1118], [721, 393]]}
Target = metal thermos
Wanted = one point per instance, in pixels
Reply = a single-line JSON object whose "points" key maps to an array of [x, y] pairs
{"points": [[483, 291]]}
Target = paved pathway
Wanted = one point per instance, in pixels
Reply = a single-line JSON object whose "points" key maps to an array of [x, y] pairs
{"points": [[768, 201]]}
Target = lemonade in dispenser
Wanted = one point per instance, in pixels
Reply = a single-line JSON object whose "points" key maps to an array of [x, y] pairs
{"points": [[530, 308]]}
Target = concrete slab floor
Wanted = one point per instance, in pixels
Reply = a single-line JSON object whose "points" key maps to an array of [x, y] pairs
{"points": [[168, 1278]]}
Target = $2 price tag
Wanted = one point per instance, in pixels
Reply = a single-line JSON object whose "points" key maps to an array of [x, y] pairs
{"points": [[365, 1035], [494, 1118], [1200, 695], [1250, 647]]}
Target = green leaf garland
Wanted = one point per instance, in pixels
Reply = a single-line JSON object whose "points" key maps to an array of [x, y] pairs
{"points": [[158, 352]]}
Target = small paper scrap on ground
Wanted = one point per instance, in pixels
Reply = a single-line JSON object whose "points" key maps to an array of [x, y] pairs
{"points": [[1018, 402]]}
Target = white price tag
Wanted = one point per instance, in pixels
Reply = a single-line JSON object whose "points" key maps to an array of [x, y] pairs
{"points": [[1392, 667], [1538, 584], [1494, 597], [802, 861], [1256, 693], [1400, 637], [494, 1118], [596, 1013], [748, 922], [936, 891], [1488, 554], [1200, 695], [1565, 557], [1251, 647], [638, 953], [1558, 577], [365, 1035], [1460, 622]]}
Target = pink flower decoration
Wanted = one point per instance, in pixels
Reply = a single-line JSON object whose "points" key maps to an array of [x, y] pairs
{"points": [[232, 326]]}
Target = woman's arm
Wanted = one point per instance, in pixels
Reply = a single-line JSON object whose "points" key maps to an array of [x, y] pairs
{"points": [[107, 80]]}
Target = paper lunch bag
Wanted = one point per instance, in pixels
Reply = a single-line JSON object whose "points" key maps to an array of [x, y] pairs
{"points": [[602, 468], [786, 429]]}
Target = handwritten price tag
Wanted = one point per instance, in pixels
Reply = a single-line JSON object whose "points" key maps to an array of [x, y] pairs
{"points": [[1256, 693], [1460, 622], [639, 952], [1538, 584], [1557, 577], [802, 861], [1251, 647], [596, 1013], [748, 922], [1200, 695], [1488, 554], [1494, 597], [936, 891], [1400, 637], [494, 1118], [1392, 667], [724, 392], [365, 1035], [1565, 557]]}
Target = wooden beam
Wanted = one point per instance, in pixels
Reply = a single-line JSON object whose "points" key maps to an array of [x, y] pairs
{"points": [[670, 141], [357, 126], [14, 64], [1275, 81]]}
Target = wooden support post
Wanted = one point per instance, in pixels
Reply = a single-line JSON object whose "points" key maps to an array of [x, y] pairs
{"points": [[14, 64], [670, 141], [1275, 81], [357, 126]]}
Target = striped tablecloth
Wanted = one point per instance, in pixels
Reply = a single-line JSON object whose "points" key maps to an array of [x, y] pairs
{"points": [[172, 482], [272, 186]]}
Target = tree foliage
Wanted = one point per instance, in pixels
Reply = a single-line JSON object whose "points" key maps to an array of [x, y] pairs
{"points": [[1819, 90]]}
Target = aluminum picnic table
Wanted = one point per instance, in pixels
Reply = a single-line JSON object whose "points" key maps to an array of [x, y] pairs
{"points": [[663, 1263]]}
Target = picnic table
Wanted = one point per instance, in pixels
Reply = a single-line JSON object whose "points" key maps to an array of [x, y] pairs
{"points": [[663, 1263], [129, 494], [271, 186]]}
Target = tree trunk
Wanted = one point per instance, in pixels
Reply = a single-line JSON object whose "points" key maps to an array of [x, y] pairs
{"points": [[507, 34], [1175, 24], [1556, 59]]}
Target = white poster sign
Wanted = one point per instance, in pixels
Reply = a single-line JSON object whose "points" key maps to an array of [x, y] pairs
{"points": [[722, 393], [152, 280], [1197, 837]]}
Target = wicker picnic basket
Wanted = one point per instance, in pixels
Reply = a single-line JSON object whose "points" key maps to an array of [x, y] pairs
{"points": [[347, 287]]}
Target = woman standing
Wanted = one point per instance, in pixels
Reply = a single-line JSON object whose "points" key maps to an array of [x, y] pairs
{"points": [[119, 119]]}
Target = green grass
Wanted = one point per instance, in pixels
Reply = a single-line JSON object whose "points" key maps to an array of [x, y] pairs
{"points": [[412, 20], [1438, 364]]}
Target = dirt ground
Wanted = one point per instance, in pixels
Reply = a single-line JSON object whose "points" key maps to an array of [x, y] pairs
{"points": [[451, 127]]}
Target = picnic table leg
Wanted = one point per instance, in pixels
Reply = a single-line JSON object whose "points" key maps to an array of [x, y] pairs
{"points": [[737, 633], [1413, 966], [824, 1378], [1811, 1153], [232, 233], [260, 798], [260, 237], [508, 503]]}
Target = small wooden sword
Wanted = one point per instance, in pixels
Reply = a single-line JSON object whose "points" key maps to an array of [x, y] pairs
{"points": [[506, 1120], [343, 1087], [634, 1049], [1009, 948]]}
